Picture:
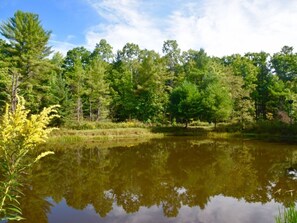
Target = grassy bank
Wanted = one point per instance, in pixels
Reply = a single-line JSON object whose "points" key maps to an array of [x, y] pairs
{"points": [[107, 132], [71, 136], [66, 138]]}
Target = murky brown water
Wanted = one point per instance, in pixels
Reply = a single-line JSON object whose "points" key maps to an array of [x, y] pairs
{"points": [[165, 180]]}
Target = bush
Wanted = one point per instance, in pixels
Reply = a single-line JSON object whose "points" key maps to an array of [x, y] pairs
{"points": [[273, 128]]}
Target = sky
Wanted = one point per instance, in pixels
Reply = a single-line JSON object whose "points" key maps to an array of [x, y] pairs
{"points": [[220, 27]]}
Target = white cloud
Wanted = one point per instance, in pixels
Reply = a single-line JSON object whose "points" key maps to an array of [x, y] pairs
{"points": [[221, 27], [236, 26], [60, 46], [128, 22]]}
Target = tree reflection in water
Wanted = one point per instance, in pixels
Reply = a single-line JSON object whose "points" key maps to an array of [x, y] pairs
{"points": [[170, 173]]}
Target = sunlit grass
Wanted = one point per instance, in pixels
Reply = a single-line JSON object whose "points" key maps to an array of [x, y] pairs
{"points": [[104, 138]]}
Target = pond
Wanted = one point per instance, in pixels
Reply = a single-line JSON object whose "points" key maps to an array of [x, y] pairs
{"points": [[175, 179]]}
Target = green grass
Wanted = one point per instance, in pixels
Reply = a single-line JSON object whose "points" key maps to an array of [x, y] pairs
{"points": [[103, 138], [289, 215], [106, 131], [88, 125], [103, 133]]}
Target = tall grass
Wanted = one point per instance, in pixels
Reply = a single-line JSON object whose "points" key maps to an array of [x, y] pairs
{"points": [[88, 125], [289, 215]]}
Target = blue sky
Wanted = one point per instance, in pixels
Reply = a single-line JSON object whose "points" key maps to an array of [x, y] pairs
{"points": [[221, 27]]}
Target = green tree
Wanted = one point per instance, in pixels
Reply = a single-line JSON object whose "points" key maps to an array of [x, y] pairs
{"points": [[242, 83], [216, 98], [149, 87], [123, 101], [261, 93], [284, 64], [97, 88], [124, 77], [26, 51], [172, 57], [4, 78], [185, 103], [75, 65], [195, 65], [103, 50], [137, 81], [58, 92]]}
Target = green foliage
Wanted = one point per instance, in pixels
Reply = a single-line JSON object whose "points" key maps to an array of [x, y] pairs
{"points": [[75, 65], [19, 135], [97, 89], [273, 127], [137, 83], [216, 99], [84, 125], [242, 83], [185, 103], [195, 65], [285, 64], [103, 51], [289, 215], [25, 55]]}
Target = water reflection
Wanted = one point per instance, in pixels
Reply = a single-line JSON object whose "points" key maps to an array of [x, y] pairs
{"points": [[168, 179]]}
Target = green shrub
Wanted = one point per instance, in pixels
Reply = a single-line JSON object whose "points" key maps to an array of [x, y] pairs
{"points": [[273, 128]]}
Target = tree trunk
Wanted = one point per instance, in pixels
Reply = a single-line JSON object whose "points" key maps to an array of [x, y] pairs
{"points": [[90, 110], [78, 109], [98, 110]]}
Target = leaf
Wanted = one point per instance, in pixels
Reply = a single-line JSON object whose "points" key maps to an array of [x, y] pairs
{"points": [[43, 155], [16, 210]]}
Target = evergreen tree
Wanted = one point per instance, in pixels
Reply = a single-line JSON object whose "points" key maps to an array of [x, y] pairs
{"points": [[97, 88], [75, 65], [25, 53]]}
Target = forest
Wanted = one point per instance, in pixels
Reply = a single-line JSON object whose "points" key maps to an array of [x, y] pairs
{"points": [[41, 89], [166, 87]]}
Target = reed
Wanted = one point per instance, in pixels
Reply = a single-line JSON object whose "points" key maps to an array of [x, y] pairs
{"points": [[289, 215]]}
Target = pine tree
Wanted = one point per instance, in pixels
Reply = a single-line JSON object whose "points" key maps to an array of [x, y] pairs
{"points": [[26, 51]]}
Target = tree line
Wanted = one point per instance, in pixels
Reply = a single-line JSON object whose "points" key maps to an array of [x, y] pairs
{"points": [[142, 84]]}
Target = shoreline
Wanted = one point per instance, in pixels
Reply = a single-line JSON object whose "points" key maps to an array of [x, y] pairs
{"points": [[113, 134]]}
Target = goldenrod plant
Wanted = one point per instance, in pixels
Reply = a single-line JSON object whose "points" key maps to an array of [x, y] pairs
{"points": [[20, 133]]}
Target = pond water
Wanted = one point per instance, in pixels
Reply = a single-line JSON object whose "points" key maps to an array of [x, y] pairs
{"points": [[176, 179]]}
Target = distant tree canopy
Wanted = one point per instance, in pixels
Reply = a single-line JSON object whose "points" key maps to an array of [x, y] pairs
{"points": [[142, 84]]}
